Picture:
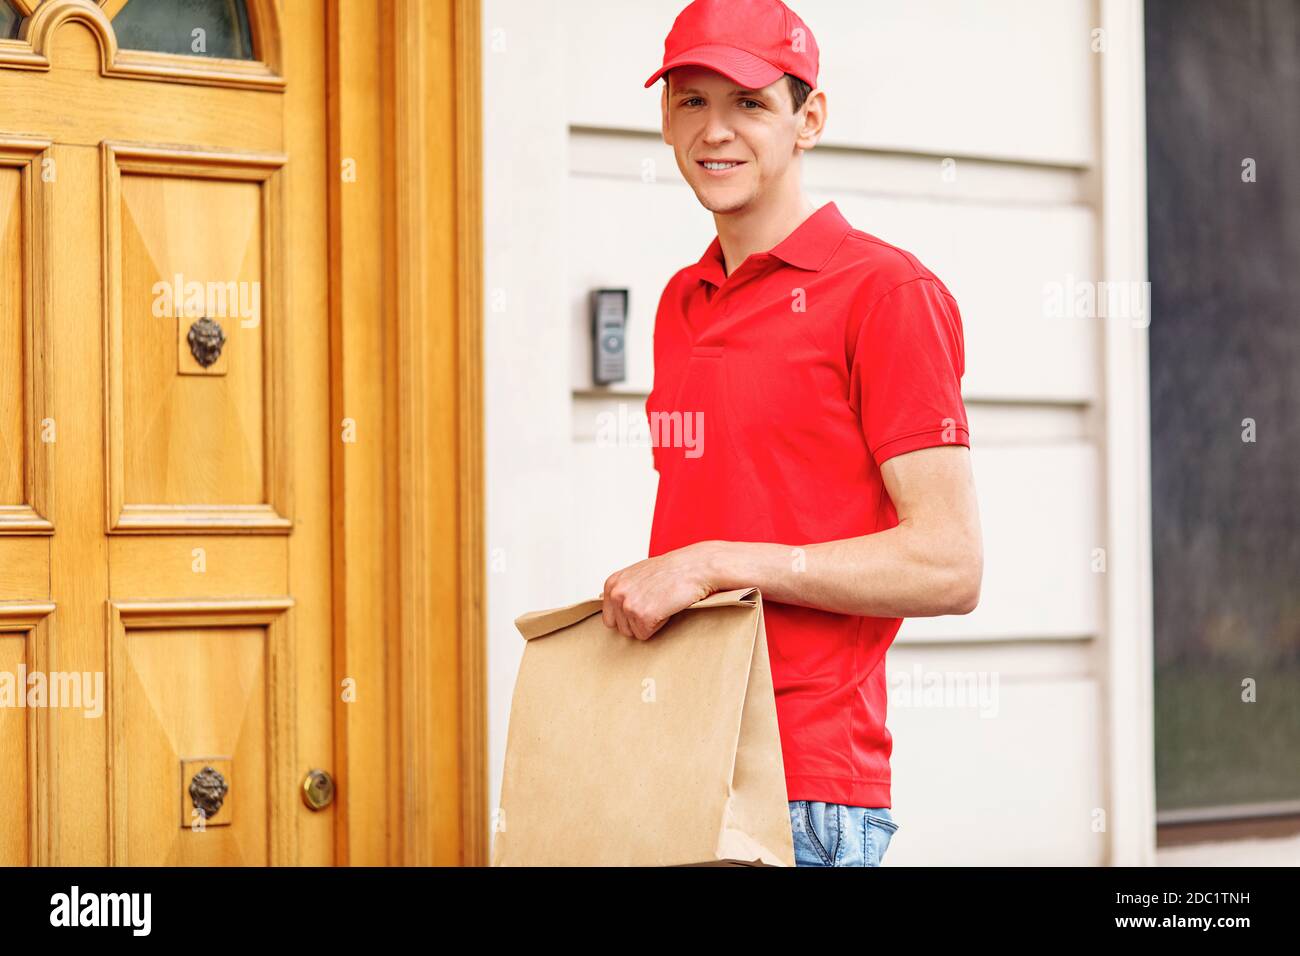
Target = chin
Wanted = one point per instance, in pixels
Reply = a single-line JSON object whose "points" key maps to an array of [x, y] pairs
{"points": [[717, 201]]}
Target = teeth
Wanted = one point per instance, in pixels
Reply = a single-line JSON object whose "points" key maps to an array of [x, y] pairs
{"points": [[720, 165]]}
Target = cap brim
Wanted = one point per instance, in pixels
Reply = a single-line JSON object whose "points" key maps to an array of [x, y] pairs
{"points": [[739, 66]]}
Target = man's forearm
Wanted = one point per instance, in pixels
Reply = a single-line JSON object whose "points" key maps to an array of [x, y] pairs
{"points": [[900, 572]]}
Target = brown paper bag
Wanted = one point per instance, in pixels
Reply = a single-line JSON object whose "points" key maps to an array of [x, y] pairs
{"points": [[663, 752]]}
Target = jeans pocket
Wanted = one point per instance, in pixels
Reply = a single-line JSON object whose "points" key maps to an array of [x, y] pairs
{"points": [[879, 828], [815, 827]]}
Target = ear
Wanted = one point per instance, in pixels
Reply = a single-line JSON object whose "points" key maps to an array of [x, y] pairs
{"points": [[663, 111], [812, 121]]}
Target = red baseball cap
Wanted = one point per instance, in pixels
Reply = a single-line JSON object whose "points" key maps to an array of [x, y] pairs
{"points": [[753, 42]]}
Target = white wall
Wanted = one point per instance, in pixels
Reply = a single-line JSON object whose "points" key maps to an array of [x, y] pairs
{"points": [[1007, 90]]}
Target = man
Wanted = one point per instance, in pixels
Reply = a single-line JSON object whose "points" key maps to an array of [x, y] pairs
{"points": [[831, 468]]}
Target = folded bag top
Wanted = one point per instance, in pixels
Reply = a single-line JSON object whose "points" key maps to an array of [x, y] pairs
{"points": [[540, 623], [663, 752]]}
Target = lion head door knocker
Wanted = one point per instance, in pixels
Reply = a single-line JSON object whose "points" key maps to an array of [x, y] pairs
{"points": [[206, 338], [208, 791]]}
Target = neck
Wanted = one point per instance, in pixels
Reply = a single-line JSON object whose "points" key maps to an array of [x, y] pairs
{"points": [[762, 224]]}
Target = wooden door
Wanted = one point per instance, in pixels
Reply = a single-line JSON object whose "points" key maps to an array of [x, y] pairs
{"points": [[164, 488]]}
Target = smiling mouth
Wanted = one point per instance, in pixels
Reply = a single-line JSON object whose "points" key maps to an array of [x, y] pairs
{"points": [[720, 166]]}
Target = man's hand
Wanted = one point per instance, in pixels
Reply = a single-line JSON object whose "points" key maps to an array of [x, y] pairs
{"points": [[640, 599]]}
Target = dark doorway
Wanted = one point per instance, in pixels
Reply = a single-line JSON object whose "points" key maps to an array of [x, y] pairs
{"points": [[1223, 107]]}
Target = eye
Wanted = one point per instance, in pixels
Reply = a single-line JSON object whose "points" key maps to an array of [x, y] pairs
{"points": [[755, 102], [691, 100]]}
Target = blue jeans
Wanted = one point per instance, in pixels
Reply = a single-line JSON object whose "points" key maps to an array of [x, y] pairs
{"points": [[834, 834]]}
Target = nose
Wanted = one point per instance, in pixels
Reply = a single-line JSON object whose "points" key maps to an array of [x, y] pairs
{"points": [[716, 130]]}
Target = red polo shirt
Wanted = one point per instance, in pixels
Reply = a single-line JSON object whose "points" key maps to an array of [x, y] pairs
{"points": [[779, 391]]}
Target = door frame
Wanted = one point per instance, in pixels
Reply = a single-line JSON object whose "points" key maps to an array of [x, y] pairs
{"points": [[1129, 629], [404, 114]]}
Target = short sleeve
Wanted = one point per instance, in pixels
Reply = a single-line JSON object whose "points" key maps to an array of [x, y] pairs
{"points": [[905, 374]]}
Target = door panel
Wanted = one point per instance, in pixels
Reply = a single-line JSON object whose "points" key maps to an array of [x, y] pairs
{"points": [[168, 396], [207, 702], [24, 384], [193, 281], [194, 697], [14, 806], [12, 456], [24, 639]]}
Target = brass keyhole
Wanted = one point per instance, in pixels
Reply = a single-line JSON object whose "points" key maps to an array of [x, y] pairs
{"points": [[317, 789]]}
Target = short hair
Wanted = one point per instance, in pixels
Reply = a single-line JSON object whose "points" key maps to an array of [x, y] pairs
{"points": [[799, 90]]}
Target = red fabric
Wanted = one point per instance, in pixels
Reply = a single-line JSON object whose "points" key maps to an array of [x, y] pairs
{"points": [[778, 392], [753, 42]]}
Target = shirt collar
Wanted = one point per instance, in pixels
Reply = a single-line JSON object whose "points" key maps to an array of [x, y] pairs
{"points": [[810, 246]]}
